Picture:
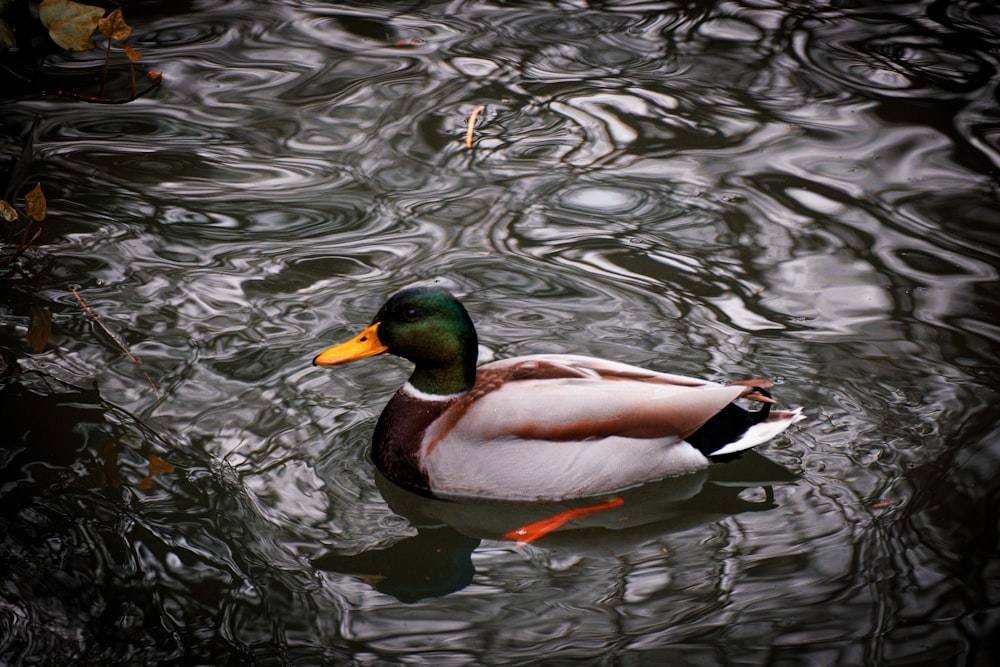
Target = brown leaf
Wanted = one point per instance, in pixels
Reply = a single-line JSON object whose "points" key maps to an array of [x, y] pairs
{"points": [[7, 212], [113, 26], [155, 76], [13, 369], [34, 204], [131, 53], [157, 466], [70, 24], [109, 466], [39, 328]]}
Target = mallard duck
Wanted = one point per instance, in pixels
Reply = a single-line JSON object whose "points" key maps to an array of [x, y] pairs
{"points": [[544, 426]]}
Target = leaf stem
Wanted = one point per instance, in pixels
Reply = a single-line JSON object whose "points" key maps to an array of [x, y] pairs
{"points": [[104, 74]]}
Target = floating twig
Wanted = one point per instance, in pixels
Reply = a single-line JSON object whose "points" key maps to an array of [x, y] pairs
{"points": [[155, 77], [117, 340], [472, 125]]}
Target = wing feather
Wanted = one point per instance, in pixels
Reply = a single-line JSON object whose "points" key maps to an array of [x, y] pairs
{"points": [[580, 409], [563, 398]]}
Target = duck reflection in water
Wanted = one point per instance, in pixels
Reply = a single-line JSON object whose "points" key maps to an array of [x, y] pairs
{"points": [[438, 559]]}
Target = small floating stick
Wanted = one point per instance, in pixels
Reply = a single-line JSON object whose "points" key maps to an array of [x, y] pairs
{"points": [[117, 341], [472, 125]]}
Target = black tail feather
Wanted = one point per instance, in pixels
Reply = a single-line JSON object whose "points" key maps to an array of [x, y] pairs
{"points": [[728, 425]]}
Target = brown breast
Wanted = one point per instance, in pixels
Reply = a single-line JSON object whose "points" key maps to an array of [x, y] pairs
{"points": [[398, 434]]}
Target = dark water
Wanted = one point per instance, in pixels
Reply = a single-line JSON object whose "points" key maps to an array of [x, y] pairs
{"points": [[803, 191]]}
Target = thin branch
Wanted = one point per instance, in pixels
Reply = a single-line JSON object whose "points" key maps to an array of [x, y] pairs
{"points": [[23, 245], [13, 258], [85, 98], [117, 341]]}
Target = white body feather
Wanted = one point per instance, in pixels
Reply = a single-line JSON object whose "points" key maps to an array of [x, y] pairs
{"points": [[518, 440]]}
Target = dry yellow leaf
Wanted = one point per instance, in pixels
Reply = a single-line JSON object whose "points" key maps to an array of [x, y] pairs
{"points": [[70, 24], [157, 466], [113, 26], [34, 204], [39, 328], [7, 212], [131, 53]]}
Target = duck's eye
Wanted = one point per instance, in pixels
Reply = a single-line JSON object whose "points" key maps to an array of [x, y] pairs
{"points": [[410, 314]]}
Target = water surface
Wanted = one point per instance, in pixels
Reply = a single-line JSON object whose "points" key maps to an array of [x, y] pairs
{"points": [[800, 191]]}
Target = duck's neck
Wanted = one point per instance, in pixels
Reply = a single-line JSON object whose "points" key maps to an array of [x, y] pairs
{"points": [[449, 380]]}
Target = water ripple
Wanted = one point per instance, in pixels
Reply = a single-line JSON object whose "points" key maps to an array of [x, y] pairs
{"points": [[725, 190], [857, 51]]}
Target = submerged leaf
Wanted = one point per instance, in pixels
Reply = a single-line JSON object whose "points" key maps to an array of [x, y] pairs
{"points": [[70, 24], [113, 26], [6, 36], [157, 466], [7, 212], [34, 204], [39, 328], [13, 369]]}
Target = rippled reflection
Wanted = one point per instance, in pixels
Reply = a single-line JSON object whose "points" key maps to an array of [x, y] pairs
{"points": [[724, 190]]}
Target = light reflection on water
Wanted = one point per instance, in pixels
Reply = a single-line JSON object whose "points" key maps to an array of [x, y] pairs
{"points": [[731, 190]]}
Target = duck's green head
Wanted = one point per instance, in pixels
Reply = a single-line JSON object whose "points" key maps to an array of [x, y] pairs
{"points": [[426, 325]]}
